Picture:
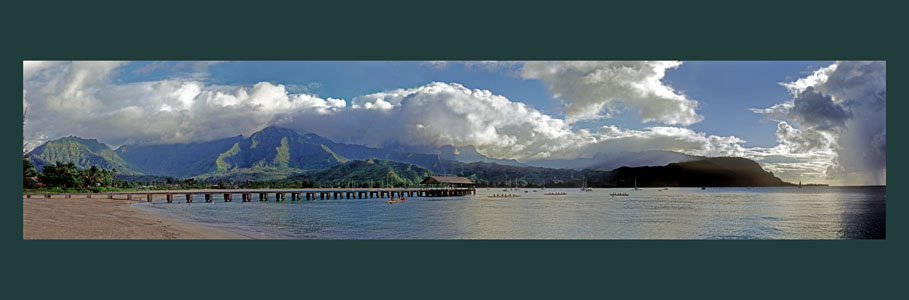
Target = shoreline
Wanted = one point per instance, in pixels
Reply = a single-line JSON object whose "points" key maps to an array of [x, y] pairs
{"points": [[92, 218]]}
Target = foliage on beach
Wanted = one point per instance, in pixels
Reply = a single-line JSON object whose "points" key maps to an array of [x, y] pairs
{"points": [[68, 175], [60, 190], [29, 174]]}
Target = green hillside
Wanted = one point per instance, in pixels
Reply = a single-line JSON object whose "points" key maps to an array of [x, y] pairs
{"points": [[82, 152], [363, 172]]}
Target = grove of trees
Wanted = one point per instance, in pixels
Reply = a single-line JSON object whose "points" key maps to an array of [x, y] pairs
{"points": [[66, 175]]}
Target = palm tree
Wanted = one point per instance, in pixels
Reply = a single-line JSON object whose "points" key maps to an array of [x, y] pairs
{"points": [[28, 173], [92, 176]]}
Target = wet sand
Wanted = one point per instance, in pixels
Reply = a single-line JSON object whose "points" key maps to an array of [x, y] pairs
{"points": [[83, 218]]}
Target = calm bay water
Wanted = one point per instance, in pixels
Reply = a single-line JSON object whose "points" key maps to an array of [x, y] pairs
{"points": [[678, 213]]}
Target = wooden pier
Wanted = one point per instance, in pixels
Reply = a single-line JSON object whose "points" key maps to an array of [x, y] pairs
{"points": [[280, 195]]}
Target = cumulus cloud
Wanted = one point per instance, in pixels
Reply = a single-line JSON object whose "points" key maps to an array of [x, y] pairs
{"points": [[840, 108], [777, 112], [32, 67], [613, 139], [802, 141], [439, 114], [597, 89], [816, 78], [80, 99]]}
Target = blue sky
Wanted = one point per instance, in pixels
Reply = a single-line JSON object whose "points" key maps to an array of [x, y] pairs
{"points": [[727, 89]]}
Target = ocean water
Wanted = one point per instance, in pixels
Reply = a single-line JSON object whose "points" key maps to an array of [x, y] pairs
{"points": [[677, 213]]}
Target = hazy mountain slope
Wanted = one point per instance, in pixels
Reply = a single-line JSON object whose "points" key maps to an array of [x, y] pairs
{"points": [[363, 172], [469, 154], [178, 160], [609, 161]]}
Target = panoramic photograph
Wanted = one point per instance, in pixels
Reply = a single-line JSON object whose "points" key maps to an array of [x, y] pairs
{"points": [[442, 150]]}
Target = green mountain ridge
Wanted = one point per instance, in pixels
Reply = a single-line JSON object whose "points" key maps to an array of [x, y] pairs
{"points": [[82, 152], [279, 154], [271, 153]]}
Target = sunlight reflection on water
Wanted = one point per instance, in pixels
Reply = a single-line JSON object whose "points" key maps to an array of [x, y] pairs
{"points": [[678, 213]]}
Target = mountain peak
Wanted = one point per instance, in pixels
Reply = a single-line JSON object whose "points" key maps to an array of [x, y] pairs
{"points": [[315, 138], [93, 145], [275, 130], [82, 152]]}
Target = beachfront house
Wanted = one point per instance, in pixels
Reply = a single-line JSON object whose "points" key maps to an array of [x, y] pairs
{"points": [[448, 181]]}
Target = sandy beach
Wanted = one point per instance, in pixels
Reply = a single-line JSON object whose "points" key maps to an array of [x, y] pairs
{"points": [[83, 218]]}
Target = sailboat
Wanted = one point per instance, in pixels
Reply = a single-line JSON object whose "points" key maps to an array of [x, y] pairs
{"points": [[636, 184], [584, 188]]}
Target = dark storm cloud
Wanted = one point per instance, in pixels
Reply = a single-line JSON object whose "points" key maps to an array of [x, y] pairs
{"points": [[815, 110]]}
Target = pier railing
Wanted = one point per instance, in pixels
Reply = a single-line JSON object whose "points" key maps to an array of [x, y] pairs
{"points": [[246, 195]]}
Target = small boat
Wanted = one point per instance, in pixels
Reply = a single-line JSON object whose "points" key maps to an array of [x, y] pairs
{"points": [[503, 196], [393, 200], [703, 188], [618, 194], [556, 194]]}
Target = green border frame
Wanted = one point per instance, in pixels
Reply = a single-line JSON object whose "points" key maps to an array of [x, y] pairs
{"points": [[715, 30]]}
